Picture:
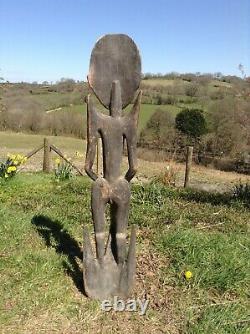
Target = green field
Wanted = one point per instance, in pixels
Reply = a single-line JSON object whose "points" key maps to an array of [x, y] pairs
{"points": [[21, 141], [147, 110], [178, 230]]}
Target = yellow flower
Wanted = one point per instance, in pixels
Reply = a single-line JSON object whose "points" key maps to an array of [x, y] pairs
{"points": [[15, 162], [57, 161], [11, 156], [11, 169], [188, 274], [19, 157], [24, 160], [6, 175]]}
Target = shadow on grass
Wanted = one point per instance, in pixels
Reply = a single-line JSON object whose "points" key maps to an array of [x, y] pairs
{"points": [[57, 237], [158, 191], [202, 196]]}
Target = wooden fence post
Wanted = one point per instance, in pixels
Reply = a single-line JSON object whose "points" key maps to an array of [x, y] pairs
{"points": [[189, 156], [46, 156]]}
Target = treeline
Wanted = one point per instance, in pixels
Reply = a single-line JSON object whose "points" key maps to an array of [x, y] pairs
{"points": [[225, 131], [195, 76]]}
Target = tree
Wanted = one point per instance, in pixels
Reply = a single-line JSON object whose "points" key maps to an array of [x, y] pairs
{"points": [[229, 127], [191, 90], [160, 129], [191, 122], [242, 71]]}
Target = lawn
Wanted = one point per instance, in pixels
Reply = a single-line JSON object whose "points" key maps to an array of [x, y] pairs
{"points": [[178, 230]]}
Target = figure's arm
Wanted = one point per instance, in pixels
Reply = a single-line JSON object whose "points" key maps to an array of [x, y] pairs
{"points": [[131, 138], [92, 137]]}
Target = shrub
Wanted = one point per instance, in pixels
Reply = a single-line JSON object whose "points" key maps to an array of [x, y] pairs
{"points": [[169, 176], [191, 122], [8, 169], [241, 192], [228, 122], [63, 170], [160, 129], [191, 90]]}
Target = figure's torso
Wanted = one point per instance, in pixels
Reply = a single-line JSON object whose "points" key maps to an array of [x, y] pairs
{"points": [[111, 132]]}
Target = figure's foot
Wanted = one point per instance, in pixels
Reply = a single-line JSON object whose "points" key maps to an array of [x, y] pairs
{"points": [[107, 279], [100, 245], [121, 247]]}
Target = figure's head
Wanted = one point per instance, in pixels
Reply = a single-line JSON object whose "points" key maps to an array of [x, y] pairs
{"points": [[115, 57], [115, 99]]}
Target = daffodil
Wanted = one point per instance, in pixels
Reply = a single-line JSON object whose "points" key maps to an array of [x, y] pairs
{"points": [[188, 274], [12, 157], [19, 157], [11, 169]]}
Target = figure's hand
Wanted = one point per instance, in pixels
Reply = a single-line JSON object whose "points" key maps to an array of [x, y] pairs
{"points": [[92, 137], [130, 174], [90, 171]]}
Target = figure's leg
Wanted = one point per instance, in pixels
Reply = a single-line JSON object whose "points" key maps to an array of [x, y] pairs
{"points": [[121, 197], [99, 200]]}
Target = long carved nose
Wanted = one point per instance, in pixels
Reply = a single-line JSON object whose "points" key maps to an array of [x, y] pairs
{"points": [[115, 99]]}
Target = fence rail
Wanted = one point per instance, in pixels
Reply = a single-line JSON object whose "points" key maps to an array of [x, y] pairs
{"points": [[219, 161], [187, 155], [47, 148]]}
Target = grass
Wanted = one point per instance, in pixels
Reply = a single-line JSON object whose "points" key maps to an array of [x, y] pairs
{"points": [[162, 82], [21, 141], [40, 252], [199, 252]]}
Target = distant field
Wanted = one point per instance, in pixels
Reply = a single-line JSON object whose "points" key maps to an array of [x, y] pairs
{"points": [[19, 141], [162, 82], [147, 110], [32, 98], [170, 82]]}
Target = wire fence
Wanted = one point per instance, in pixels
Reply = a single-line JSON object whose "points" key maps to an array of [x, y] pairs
{"points": [[216, 160]]}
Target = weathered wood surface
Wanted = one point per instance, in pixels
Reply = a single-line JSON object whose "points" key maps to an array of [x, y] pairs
{"points": [[46, 156], [33, 152], [114, 78], [115, 57]]}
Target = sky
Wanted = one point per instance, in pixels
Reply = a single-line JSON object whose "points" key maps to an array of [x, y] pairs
{"points": [[50, 39]]}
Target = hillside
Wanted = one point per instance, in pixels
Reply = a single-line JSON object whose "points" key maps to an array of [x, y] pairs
{"points": [[60, 109]]}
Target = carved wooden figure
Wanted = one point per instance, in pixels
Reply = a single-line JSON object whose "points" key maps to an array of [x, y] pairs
{"points": [[114, 76]]}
